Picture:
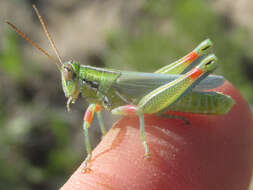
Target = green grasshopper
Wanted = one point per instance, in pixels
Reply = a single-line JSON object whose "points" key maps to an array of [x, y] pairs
{"points": [[179, 86]]}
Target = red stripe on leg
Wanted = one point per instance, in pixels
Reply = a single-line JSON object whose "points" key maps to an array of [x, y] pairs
{"points": [[125, 110], [130, 109], [192, 57], [98, 108], [196, 73], [88, 116]]}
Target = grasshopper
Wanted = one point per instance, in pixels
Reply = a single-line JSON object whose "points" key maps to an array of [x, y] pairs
{"points": [[180, 86]]}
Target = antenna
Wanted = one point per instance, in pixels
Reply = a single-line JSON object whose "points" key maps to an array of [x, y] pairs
{"points": [[47, 33], [23, 35]]}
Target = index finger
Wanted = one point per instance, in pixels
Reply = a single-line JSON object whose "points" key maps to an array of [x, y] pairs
{"points": [[213, 152]]}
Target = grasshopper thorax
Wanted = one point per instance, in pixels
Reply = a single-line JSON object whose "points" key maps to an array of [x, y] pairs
{"points": [[69, 76]]}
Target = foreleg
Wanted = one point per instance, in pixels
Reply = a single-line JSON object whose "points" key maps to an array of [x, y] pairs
{"points": [[87, 119]]}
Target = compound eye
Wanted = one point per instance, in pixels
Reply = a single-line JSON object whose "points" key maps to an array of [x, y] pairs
{"points": [[68, 72]]}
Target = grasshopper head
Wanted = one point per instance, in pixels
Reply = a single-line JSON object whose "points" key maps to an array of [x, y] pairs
{"points": [[203, 47], [209, 63], [69, 76]]}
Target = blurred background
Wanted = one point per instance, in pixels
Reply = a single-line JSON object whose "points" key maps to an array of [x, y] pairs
{"points": [[40, 143]]}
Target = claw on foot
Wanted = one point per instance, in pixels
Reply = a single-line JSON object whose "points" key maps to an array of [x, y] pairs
{"points": [[147, 156], [86, 170]]}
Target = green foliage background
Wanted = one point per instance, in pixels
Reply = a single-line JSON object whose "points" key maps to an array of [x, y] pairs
{"points": [[38, 146]]}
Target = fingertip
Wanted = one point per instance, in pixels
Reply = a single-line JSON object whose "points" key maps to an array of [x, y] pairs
{"points": [[204, 155]]}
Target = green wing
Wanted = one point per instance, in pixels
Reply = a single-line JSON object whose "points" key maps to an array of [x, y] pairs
{"points": [[137, 84]]}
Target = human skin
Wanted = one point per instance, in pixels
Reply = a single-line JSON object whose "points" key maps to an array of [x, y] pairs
{"points": [[211, 153]]}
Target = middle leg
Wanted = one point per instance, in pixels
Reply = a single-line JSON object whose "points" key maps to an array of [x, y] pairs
{"points": [[133, 110]]}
